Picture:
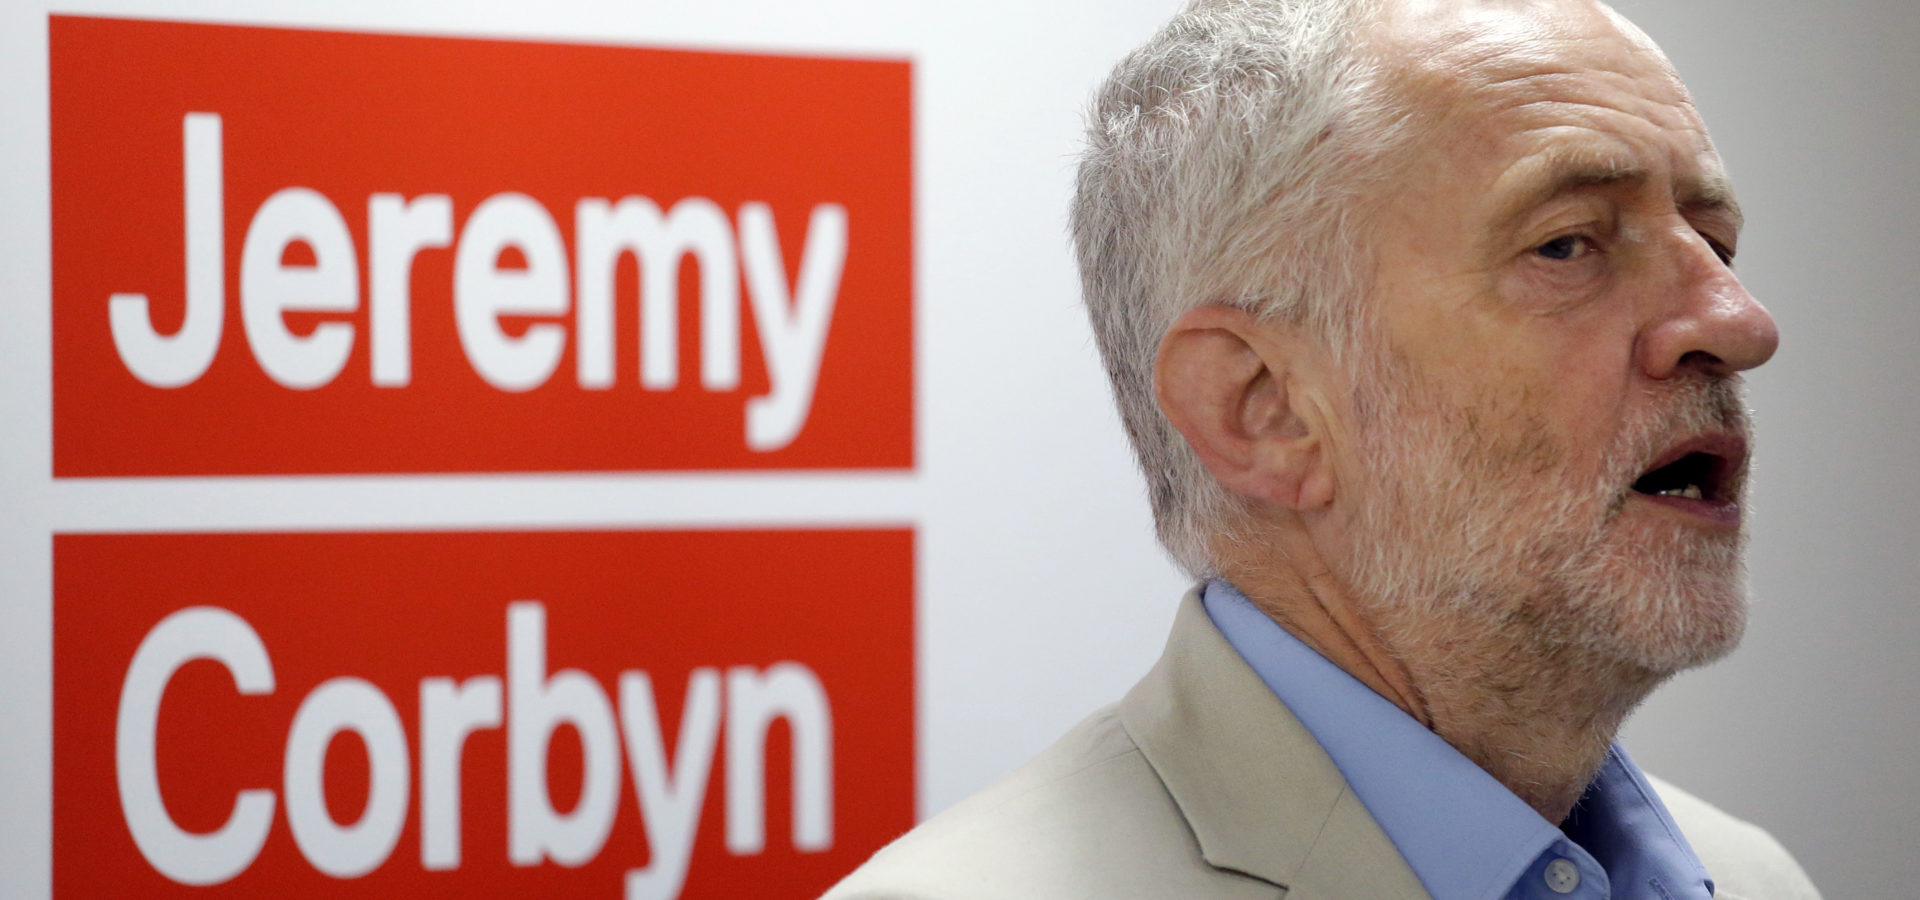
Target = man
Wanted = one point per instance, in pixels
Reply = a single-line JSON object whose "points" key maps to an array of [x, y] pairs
{"points": [[1421, 319]]}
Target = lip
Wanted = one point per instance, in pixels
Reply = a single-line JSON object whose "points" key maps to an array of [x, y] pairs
{"points": [[1722, 512]]}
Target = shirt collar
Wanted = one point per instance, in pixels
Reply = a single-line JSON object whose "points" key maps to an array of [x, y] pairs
{"points": [[1463, 833], [1621, 821]]}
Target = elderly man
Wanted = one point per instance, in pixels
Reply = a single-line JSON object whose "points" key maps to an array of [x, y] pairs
{"points": [[1420, 315]]}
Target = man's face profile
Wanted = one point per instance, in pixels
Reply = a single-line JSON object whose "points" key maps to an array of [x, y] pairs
{"points": [[1546, 438]]}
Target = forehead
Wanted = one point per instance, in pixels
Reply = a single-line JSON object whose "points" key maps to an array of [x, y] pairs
{"points": [[1510, 86], [1475, 43]]}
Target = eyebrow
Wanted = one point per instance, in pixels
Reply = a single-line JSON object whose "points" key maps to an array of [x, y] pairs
{"points": [[1712, 192], [1709, 191]]}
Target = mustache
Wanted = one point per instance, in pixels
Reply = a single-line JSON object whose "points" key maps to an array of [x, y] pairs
{"points": [[1694, 407]]}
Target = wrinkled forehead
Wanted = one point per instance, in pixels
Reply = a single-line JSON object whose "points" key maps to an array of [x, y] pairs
{"points": [[1448, 47], [1508, 81]]}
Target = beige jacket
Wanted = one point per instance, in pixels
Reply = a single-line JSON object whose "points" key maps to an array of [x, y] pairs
{"points": [[1200, 784]]}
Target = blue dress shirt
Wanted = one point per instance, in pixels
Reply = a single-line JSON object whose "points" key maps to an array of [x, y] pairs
{"points": [[1464, 834]]}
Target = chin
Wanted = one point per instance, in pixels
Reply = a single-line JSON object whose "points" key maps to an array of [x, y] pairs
{"points": [[1661, 609]]}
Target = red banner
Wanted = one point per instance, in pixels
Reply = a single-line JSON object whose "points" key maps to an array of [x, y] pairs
{"points": [[593, 714], [303, 252]]}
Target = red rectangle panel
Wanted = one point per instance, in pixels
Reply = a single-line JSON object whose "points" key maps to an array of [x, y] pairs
{"points": [[303, 252], [588, 714]]}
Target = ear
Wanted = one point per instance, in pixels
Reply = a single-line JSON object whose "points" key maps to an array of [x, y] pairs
{"points": [[1242, 393]]}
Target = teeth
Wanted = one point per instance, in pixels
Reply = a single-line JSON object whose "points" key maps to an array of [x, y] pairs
{"points": [[1690, 492]]}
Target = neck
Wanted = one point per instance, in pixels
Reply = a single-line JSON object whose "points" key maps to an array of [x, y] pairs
{"points": [[1537, 715], [1538, 719]]}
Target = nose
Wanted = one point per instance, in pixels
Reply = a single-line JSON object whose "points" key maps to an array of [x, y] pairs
{"points": [[1706, 321]]}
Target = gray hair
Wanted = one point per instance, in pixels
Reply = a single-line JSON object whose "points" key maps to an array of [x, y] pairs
{"points": [[1224, 163]]}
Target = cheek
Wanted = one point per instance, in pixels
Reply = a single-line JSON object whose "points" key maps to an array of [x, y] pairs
{"points": [[1548, 426], [1571, 374], [1509, 433], [1593, 376], [1522, 391], [1537, 286]]}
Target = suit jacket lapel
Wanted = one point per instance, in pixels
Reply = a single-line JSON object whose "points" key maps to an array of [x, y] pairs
{"points": [[1261, 796]]}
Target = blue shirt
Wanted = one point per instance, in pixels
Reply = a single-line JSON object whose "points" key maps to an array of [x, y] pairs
{"points": [[1464, 834]]}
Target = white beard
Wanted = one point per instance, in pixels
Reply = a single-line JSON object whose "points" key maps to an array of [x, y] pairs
{"points": [[1475, 531]]}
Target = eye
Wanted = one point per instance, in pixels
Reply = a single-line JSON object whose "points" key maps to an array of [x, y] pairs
{"points": [[1566, 247], [1719, 249]]}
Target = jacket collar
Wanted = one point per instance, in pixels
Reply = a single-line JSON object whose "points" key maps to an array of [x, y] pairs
{"points": [[1263, 799]]}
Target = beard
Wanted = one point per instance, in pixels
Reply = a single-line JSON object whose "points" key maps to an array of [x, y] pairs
{"points": [[1479, 529]]}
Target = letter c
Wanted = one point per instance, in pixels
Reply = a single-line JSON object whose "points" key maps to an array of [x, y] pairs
{"points": [[200, 632]]}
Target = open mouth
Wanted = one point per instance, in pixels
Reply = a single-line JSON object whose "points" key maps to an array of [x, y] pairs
{"points": [[1700, 475]]}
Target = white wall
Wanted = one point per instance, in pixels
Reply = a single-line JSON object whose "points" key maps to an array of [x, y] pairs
{"points": [[1042, 595]]}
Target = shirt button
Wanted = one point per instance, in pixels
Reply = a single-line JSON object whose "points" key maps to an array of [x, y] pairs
{"points": [[1562, 877]]}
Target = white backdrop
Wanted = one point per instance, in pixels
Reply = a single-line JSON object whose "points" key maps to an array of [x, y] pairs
{"points": [[1041, 593]]}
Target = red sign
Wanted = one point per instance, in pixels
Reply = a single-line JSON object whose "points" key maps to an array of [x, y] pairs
{"points": [[594, 714], [302, 252]]}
